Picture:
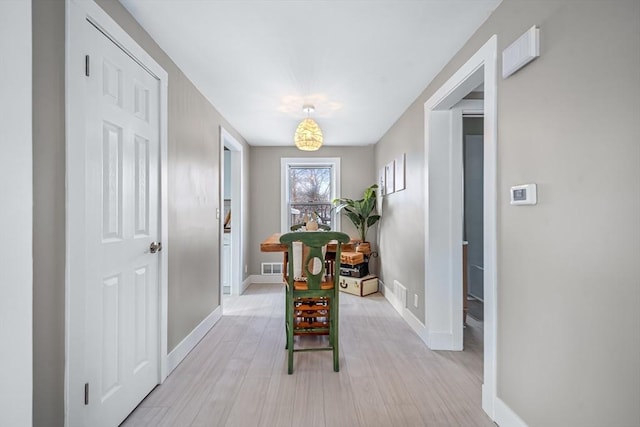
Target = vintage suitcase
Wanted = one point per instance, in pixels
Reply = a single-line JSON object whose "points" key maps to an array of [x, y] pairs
{"points": [[359, 270], [352, 258], [359, 286]]}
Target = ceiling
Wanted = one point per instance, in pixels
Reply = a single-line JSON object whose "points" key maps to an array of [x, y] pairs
{"points": [[361, 63]]}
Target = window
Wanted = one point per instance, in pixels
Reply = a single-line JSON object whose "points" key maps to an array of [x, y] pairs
{"points": [[308, 186]]}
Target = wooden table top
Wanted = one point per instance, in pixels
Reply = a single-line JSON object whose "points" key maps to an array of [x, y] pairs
{"points": [[272, 244]]}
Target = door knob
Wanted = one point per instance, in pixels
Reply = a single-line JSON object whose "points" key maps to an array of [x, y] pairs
{"points": [[155, 247]]}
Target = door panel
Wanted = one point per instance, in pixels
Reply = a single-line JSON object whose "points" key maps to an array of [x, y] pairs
{"points": [[141, 328], [110, 361], [111, 179], [122, 290], [142, 187]]}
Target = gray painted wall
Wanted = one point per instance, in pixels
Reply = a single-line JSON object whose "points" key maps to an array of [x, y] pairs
{"points": [[357, 173], [193, 187], [568, 271], [400, 237], [16, 215], [48, 212]]}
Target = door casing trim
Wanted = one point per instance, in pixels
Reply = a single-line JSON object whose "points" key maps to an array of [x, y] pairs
{"points": [[237, 209], [443, 302]]}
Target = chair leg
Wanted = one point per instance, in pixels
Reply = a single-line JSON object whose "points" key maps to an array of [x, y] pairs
{"points": [[286, 318], [290, 351], [290, 327], [334, 334]]}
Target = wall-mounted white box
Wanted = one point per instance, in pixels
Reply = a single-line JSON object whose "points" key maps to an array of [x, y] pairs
{"points": [[521, 52]]}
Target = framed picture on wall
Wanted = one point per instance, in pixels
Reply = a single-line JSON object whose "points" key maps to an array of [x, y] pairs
{"points": [[382, 188], [400, 173], [390, 171]]}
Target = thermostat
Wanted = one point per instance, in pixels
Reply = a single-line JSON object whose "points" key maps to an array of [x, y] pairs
{"points": [[524, 195]]}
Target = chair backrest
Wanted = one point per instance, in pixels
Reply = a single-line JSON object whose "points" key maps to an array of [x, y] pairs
{"points": [[314, 257]]}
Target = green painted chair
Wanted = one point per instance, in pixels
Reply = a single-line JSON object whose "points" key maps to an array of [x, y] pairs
{"points": [[312, 297]]}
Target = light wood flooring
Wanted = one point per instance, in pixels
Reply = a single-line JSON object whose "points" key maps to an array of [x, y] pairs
{"points": [[237, 375]]}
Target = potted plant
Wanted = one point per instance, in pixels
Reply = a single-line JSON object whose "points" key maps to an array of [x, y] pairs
{"points": [[360, 212]]}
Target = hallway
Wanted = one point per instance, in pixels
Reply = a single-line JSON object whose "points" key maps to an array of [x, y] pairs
{"points": [[237, 375]]}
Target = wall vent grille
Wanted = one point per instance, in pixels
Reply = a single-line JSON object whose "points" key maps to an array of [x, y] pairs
{"points": [[400, 292], [271, 269]]}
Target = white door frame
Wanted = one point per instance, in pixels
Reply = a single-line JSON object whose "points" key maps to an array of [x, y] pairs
{"points": [[443, 213], [78, 13], [237, 190]]}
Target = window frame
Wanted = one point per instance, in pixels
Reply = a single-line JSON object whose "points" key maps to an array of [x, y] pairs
{"points": [[286, 163]]}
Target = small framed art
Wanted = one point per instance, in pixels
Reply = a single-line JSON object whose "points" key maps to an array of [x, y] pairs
{"points": [[382, 187], [399, 177], [390, 171]]}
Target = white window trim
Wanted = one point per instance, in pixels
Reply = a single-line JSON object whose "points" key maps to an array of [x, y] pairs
{"points": [[286, 162]]}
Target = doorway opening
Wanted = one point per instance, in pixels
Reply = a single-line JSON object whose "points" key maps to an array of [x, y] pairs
{"points": [[444, 217], [473, 233], [231, 218], [473, 258]]}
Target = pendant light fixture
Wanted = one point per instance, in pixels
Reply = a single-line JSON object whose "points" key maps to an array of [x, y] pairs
{"points": [[308, 136]]}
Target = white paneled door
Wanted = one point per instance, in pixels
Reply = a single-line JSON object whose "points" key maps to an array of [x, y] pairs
{"points": [[122, 187]]}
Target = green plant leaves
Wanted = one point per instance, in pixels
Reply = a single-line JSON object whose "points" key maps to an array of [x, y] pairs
{"points": [[372, 220], [360, 211]]}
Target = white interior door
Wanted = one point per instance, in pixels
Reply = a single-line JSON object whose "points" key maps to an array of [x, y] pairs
{"points": [[122, 185]]}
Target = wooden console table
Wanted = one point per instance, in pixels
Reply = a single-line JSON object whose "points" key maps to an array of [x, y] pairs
{"points": [[272, 244]]}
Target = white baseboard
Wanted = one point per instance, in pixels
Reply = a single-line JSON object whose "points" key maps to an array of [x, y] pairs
{"points": [[488, 401], [441, 341], [415, 323], [433, 340], [505, 417], [475, 297], [393, 300], [264, 278], [181, 351], [244, 285]]}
